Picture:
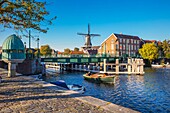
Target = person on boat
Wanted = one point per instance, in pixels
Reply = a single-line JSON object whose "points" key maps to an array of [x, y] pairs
{"points": [[88, 73], [105, 74]]}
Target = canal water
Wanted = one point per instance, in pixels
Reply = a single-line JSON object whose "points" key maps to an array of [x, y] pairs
{"points": [[148, 94]]}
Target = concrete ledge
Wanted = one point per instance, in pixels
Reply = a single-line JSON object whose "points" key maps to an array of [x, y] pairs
{"points": [[106, 105], [92, 101]]}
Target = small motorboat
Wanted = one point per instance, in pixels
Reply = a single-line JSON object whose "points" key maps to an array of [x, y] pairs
{"points": [[100, 78], [73, 87]]}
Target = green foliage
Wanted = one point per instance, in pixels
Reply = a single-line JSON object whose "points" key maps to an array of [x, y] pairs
{"points": [[67, 51], [45, 50], [24, 14], [166, 48], [76, 49], [149, 51], [167, 55], [36, 52], [162, 62]]}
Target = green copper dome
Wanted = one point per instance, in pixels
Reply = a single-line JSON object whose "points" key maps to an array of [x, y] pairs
{"points": [[13, 48]]}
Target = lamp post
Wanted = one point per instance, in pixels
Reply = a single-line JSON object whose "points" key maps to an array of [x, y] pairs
{"points": [[38, 55]]}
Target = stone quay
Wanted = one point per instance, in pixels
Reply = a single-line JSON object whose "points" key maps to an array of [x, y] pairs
{"points": [[25, 94]]}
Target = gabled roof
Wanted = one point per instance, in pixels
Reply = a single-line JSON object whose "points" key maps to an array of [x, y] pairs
{"points": [[126, 36], [122, 36], [76, 52], [150, 41]]}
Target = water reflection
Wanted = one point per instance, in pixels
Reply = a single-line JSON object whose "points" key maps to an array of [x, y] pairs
{"points": [[148, 93]]}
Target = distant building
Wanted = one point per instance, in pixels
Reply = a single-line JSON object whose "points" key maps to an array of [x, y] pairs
{"points": [[152, 41], [120, 45], [53, 53], [91, 50]]}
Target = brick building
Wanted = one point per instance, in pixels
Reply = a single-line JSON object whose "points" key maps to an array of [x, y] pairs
{"points": [[120, 45]]}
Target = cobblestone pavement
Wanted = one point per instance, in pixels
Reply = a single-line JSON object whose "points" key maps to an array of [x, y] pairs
{"points": [[23, 94]]}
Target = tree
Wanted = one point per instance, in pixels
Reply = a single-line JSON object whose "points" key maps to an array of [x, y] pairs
{"points": [[166, 48], [76, 49], [36, 52], [67, 51], [24, 14], [149, 51], [45, 50], [160, 49]]}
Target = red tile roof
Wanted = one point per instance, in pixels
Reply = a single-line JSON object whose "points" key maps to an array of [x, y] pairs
{"points": [[76, 52]]}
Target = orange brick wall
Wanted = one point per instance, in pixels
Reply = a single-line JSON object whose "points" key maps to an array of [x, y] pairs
{"points": [[110, 44]]}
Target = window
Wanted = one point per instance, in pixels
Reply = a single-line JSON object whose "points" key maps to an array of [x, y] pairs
{"points": [[121, 46], [134, 41], [120, 40], [131, 47], [127, 40], [127, 46], [124, 40], [131, 41], [117, 46]]}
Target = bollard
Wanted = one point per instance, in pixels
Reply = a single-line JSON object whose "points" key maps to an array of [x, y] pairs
{"points": [[117, 66], [11, 69], [129, 66], [104, 61], [141, 66]]}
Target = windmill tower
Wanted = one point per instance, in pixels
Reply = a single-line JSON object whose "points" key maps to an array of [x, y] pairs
{"points": [[88, 36]]}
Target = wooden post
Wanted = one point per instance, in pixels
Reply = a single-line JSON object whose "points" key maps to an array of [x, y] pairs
{"points": [[104, 61], [72, 66], [84, 67], [129, 66], [111, 67], [117, 66], [88, 67], [141, 66], [138, 66], [75, 66]]}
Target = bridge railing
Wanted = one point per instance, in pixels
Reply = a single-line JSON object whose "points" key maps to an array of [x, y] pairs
{"points": [[80, 56]]}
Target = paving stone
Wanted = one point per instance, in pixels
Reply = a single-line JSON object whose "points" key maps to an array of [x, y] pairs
{"points": [[23, 94]]}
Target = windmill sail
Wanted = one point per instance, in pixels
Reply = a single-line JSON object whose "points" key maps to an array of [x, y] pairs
{"points": [[88, 37]]}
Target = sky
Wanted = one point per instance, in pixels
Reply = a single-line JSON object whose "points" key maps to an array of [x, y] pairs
{"points": [[148, 19]]}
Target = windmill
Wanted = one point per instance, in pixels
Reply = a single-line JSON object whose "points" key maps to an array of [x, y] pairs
{"points": [[88, 36]]}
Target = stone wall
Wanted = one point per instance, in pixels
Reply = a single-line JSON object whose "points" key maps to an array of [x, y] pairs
{"points": [[29, 66], [3, 65]]}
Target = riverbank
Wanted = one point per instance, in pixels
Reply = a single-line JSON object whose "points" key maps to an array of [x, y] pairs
{"points": [[160, 66], [26, 94]]}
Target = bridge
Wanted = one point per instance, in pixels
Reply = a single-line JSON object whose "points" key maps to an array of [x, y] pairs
{"points": [[79, 59]]}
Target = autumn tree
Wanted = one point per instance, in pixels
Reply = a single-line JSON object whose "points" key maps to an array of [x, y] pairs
{"points": [[149, 51], [24, 14], [45, 50], [76, 49], [67, 51], [37, 52]]}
